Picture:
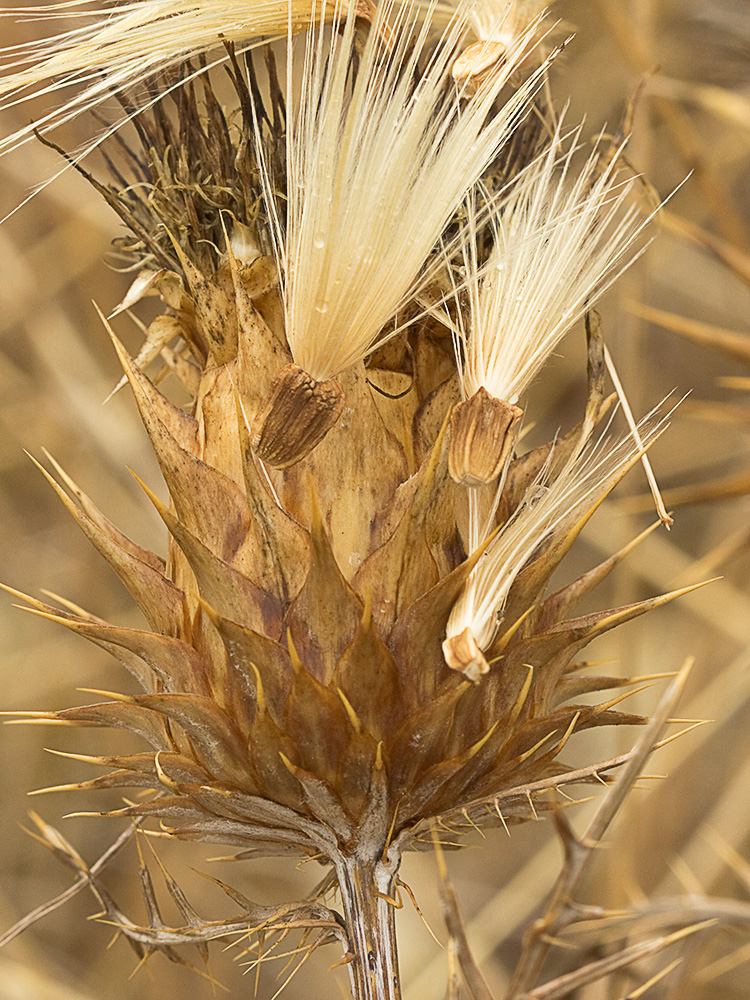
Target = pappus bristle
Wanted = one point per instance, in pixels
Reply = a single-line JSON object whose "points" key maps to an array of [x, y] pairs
{"points": [[377, 168], [550, 509], [560, 240], [118, 46]]}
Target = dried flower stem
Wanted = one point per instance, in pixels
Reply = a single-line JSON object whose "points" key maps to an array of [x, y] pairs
{"points": [[368, 890]]}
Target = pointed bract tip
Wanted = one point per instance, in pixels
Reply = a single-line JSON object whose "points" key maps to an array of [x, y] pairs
{"points": [[292, 768], [260, 698], [293, 654], [354, 719]]}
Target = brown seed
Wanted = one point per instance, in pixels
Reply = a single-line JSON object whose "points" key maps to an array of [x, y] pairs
{"points": [[296, 417], [477, 62], [482, 432], [462, 654]]}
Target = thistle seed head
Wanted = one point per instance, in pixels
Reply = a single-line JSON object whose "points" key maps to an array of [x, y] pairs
{"points": [[350, 636], [375, 172]]}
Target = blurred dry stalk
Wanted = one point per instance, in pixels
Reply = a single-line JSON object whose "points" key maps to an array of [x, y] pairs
{"points": [[695, 269]]}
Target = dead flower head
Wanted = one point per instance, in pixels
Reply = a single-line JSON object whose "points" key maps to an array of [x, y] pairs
{"points": [[295, 696]]}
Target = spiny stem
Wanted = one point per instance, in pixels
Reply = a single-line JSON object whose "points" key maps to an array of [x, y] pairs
{"points": [[367, 889]]}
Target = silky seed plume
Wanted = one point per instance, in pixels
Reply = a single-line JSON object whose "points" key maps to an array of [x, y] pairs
{"points": [[376, 170], [560, 240], [547, 512], [118, 46]]}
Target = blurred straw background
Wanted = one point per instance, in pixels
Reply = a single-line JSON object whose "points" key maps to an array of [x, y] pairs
{"points": [[677, 321]]}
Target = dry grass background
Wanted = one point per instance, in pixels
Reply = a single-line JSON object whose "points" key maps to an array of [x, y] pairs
{"points": [[678, 833]]}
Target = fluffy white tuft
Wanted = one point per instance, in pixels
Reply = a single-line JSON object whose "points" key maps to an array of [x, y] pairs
{"points": [[559, 242], [118, 45], [547, 511], [377, 166]]}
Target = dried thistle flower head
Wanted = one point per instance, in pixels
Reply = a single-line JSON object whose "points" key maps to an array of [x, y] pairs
{"points": [[296, 700]]}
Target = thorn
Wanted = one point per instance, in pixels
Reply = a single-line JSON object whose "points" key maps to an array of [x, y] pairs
{"points": [[676, 736], [502, 818], [473, 751], [260, 698], [114, 695], [568, 732], [353, 717], [163, 778], [448, 829], [288, 764], [606, 705], [465, 814], [522, 696], [346, 959], [296, 662], [413, 898], [72, 787], [501, 644], [86, 758], [531, 803], [524, 756]]}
